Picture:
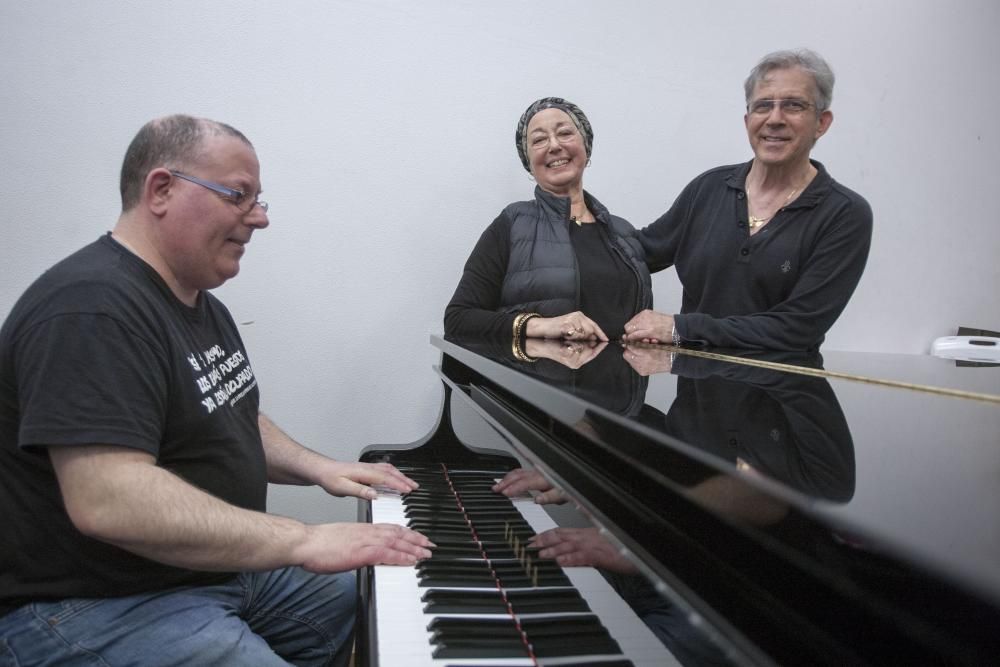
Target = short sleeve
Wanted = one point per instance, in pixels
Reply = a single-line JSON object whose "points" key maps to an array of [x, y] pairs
{"points": [[87, 379]]}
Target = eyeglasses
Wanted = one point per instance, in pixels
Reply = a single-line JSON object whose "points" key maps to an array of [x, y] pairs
{"points": [[564, 135], [791, 107], [237, 197]]}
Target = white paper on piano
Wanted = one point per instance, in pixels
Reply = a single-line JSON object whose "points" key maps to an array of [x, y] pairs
{"points": [[967, 348]]}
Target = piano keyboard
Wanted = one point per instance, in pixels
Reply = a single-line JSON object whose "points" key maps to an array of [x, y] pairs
{"points": [[490, 602]]}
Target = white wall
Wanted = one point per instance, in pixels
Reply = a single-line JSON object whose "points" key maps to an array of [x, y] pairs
{"points": [[385, 134]]}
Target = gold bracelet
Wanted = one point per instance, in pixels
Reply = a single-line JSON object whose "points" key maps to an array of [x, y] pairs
{"points": [[519, 324], [520, 321]]}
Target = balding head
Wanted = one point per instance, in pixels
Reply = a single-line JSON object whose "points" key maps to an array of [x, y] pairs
{"points": [[172, 141]]}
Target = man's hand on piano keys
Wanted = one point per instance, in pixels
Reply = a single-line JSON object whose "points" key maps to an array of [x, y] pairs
{"points": [[579, 547], [338, 547], [520, 481], [357, 479]]}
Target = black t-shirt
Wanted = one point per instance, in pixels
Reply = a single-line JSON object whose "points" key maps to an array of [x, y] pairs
{"points": [[99, 351]]}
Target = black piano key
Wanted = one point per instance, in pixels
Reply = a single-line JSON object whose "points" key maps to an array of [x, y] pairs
{"points": [[482, 649], [466, 580], [527, 581], [557, 647], [543, 601], [555, 637], [468, 627], [453, 551], [440, 522], [470, 580], [547, 601], [580, 624], [564, 626], [500, 566], [443, 601], [456, 573]]}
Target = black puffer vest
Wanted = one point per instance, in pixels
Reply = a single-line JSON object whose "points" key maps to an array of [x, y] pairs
{"points": [[542, 273]]}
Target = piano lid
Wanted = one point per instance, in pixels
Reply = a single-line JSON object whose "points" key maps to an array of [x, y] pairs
{"points": [[908, 475]]}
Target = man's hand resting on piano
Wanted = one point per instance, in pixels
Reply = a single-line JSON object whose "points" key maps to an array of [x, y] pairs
{"points": [[576, 547], [338, 547], [288, 462], [649, 326], [519, 481], [358, 479]]}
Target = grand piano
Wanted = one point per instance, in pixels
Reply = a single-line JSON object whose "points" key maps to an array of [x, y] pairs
{"points": [[745, 508]]}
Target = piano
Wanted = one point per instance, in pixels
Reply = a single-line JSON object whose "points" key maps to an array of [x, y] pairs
{"points": [[745, 508]]}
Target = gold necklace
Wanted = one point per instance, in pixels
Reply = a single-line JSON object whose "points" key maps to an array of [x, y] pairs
{"points": [[756, 222]]}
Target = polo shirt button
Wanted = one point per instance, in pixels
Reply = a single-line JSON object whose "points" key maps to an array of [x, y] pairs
{"points": [[739, 195], [741, 224], [745, 252]]}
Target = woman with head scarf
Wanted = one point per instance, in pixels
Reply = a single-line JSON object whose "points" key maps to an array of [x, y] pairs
{"points": [[557, 266]]}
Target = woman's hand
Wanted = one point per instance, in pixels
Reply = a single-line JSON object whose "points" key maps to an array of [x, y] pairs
{"points": [[568, 353], [571, 326]]}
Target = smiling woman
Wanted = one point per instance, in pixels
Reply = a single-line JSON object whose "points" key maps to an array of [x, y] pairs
{"points": [[560, 265]]}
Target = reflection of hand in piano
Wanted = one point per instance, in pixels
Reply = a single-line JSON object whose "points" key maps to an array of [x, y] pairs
{"points": [[649, 360], [520, 481], [571, 354], [575, 547]]}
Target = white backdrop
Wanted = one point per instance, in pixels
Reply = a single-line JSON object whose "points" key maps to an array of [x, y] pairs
{"points": [[385, 134]]}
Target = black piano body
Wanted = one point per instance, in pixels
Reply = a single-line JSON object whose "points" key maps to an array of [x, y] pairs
{"points": [[792, 513]]}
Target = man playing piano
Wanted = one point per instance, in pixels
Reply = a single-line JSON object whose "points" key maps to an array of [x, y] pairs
{"points": [[134, 462]]}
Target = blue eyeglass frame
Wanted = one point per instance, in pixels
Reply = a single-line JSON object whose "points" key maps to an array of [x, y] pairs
{"points": [[235, 196]]}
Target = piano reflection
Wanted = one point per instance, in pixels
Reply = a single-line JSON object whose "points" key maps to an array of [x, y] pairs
{"points": [[736, 517]]}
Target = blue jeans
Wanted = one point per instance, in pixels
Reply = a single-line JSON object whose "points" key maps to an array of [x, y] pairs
{"points": [[261, 619]]}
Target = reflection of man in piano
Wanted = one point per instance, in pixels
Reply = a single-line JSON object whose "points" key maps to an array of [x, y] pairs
{"points": [[782, 425], [787, 426], [134, 461], [770, 251]]}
